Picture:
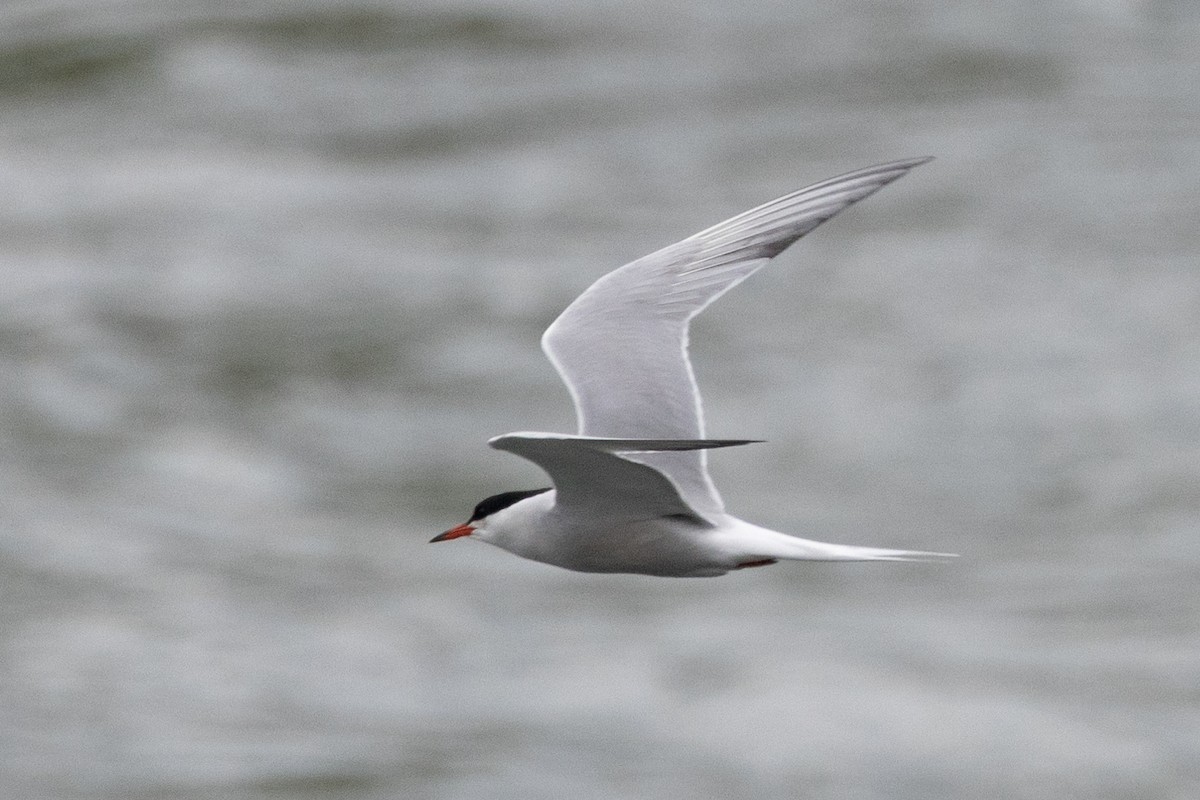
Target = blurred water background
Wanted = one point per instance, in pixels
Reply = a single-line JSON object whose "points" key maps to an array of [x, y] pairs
{"points": [[274, 271]]}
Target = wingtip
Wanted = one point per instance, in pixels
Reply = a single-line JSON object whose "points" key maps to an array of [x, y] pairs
{"points": [[886, 172], [909, 163], [902, 166]]}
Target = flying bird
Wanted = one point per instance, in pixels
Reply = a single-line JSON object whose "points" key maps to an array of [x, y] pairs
{"points": [[631, 490]]}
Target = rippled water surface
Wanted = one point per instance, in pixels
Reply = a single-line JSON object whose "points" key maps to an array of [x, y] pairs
{"points": [[275, 271]]}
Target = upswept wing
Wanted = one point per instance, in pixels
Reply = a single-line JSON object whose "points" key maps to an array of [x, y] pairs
{"points": [[621, 347], [591, 478]]}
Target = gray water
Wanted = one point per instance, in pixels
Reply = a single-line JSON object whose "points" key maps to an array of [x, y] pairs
{"points": [[273, 272]]}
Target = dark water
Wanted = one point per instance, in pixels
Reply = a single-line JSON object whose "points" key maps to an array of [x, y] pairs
{"points": [[274, 272]]}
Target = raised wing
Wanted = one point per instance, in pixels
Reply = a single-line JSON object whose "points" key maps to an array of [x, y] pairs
{"points": [[621, 347], [590, 477]]}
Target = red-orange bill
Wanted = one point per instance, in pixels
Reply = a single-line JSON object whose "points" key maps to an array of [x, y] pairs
{"points": [[453, 533]]}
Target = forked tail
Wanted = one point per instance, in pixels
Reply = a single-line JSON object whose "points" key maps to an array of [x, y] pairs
{"points": [[846, 552], [767, 544]]}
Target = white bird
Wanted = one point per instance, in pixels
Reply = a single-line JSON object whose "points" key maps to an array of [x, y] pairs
{"points": [[632, 491]]}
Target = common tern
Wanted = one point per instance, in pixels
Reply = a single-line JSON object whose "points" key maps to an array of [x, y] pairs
{"points": [[631, 490]]}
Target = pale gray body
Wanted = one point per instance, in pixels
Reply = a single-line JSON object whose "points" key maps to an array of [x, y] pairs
{"points": [[675, 546]]}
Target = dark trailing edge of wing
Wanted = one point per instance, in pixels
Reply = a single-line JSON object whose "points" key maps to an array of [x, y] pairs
{"points": [[515, 442]]}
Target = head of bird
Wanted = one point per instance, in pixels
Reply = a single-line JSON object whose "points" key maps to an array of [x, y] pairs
{"points": [[488, 516]]}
